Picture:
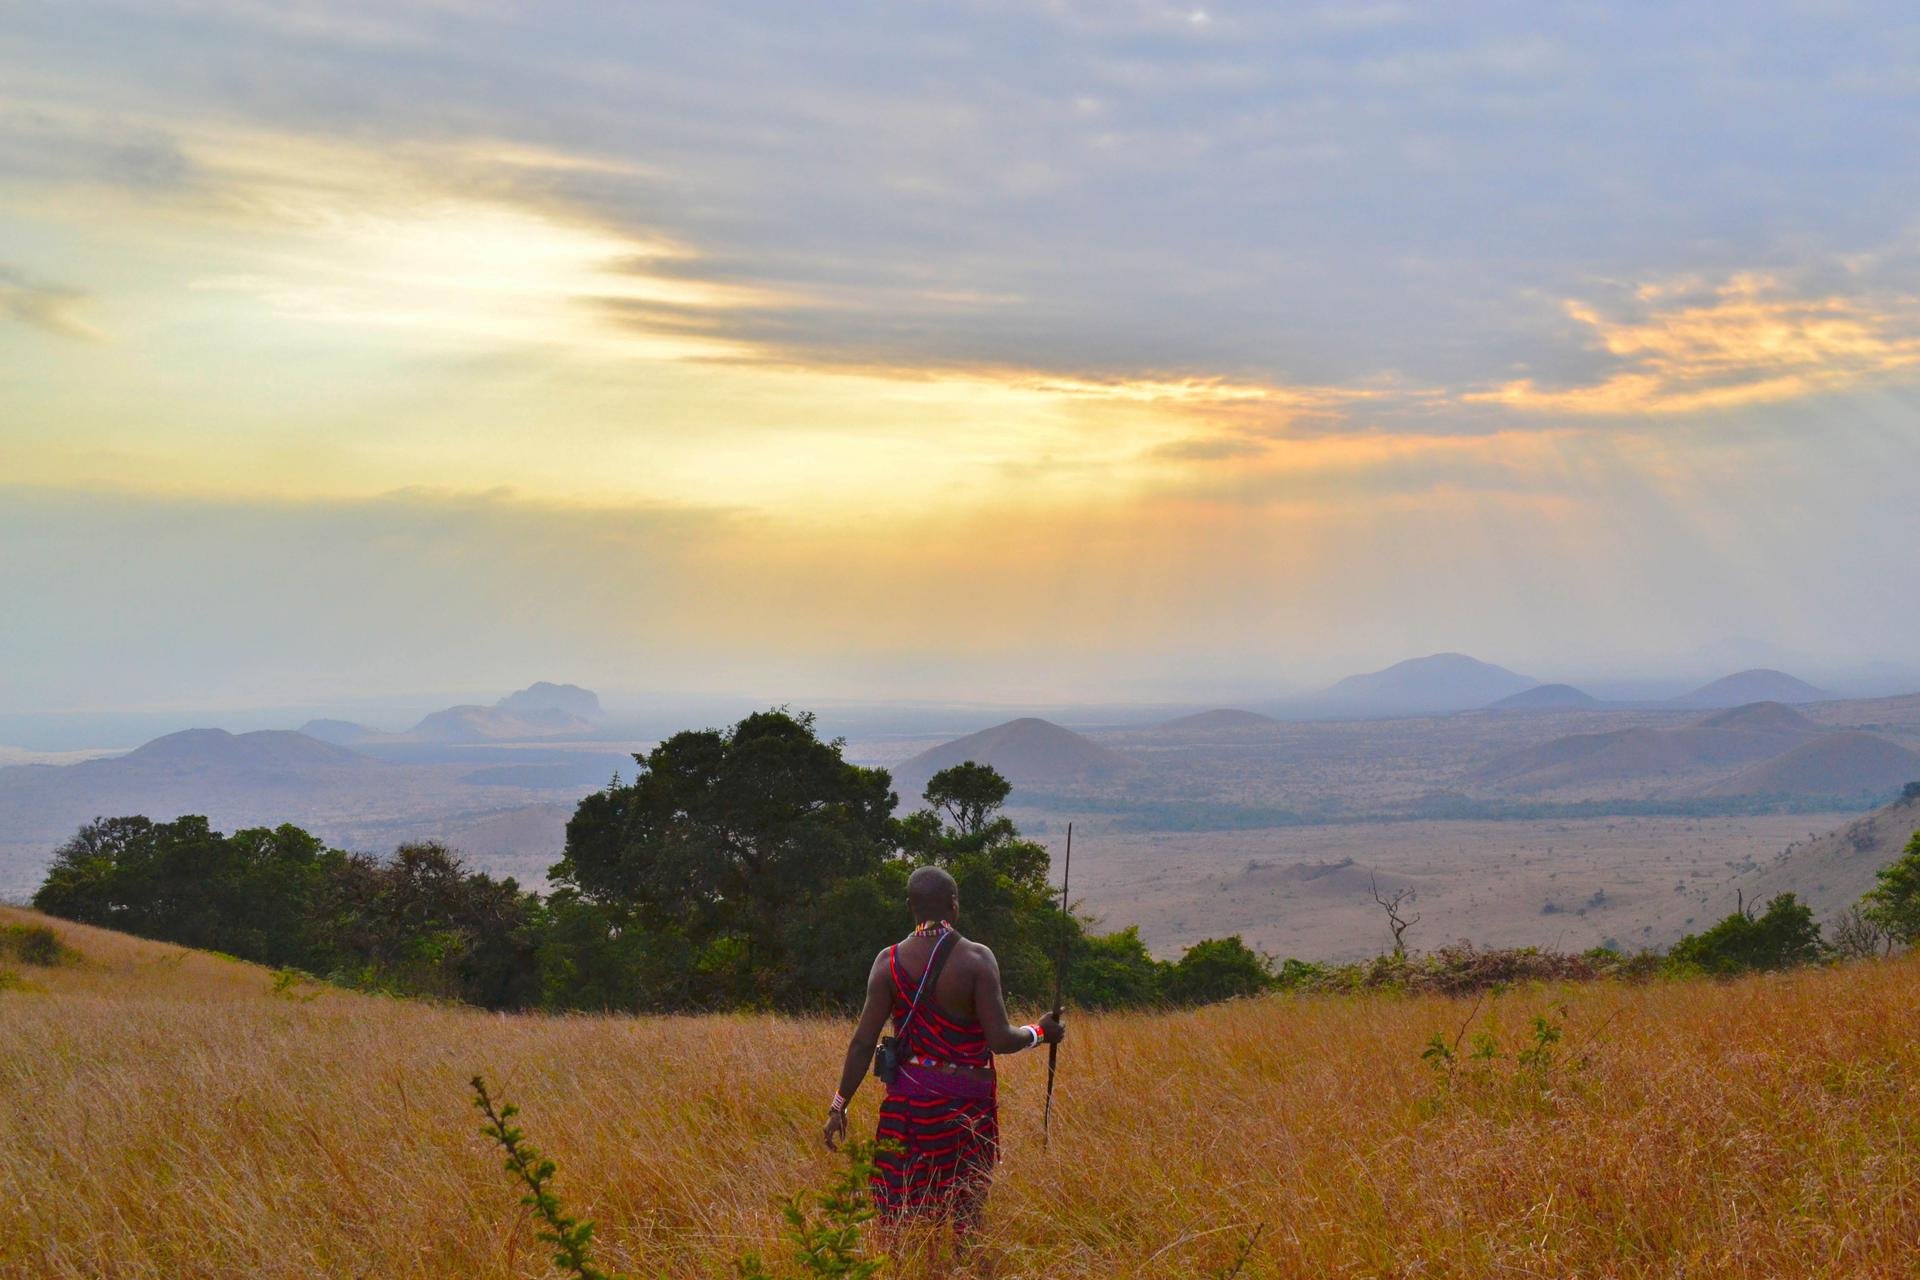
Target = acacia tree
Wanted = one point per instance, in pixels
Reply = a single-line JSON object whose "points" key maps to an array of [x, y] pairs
{"points": [[970, 795], [1006, 899]]}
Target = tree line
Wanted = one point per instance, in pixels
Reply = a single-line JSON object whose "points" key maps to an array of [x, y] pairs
{"points": [[751, 867]]}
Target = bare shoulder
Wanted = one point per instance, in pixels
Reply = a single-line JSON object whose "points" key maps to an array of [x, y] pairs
{"points": [[979, 955]]}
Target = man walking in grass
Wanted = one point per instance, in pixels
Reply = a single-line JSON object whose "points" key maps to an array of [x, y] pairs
{"points": [[939, 1122]]}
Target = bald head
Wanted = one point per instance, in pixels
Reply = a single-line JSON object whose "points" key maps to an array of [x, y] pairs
{"points": [[932, 895]]}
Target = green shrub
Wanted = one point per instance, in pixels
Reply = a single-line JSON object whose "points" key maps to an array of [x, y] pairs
{"points": [[1301, 974], [34, 944], [1115, 971], [1780, 937], [1218, 969]]}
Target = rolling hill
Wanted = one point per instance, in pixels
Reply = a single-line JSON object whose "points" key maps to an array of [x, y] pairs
{"points": [[1760, 717], [1832, 871], [264, 753], [1761, 684], [1546, 697], [1028, 752], [1698, 752], [1834, 765], [1439, 683]]}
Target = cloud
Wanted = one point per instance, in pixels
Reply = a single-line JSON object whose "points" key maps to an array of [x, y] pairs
{"points": [[50, 308], [1747, 342]]}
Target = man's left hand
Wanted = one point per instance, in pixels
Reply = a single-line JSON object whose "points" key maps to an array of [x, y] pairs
{"points": [[836, 1130]]}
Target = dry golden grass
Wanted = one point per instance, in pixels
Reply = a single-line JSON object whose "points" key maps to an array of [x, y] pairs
{"points": [[167, 1115]]}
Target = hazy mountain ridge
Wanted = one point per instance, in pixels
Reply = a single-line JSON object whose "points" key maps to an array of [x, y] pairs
{"points": [[1215, 770], [453, 777], [543, 695], [541, 710]]}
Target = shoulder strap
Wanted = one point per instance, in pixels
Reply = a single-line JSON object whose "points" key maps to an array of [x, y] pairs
{"points": [[935, 963]]}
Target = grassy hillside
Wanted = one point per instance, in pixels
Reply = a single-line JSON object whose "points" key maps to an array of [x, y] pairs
{"points": [[170, 1115]]}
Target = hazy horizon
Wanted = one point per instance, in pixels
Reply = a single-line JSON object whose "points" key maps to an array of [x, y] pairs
{"points": [[983, 353]]}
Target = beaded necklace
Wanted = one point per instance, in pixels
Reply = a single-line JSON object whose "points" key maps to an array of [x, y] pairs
{"points": [[931, 929]]}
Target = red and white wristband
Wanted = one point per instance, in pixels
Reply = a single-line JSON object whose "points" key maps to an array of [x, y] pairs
{"points": [[839, 1102], [1033, 1029]]}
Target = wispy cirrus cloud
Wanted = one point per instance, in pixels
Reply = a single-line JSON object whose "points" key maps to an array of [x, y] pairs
{"points": [[51, 308]]}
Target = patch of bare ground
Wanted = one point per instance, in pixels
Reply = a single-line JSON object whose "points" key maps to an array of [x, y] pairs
{"points": [[1568, 884]]}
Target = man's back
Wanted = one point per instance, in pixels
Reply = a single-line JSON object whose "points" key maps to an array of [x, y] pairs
{"points": [[956, 992]]}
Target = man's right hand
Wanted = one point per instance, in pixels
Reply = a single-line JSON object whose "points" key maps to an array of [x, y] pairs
{"points": [[836, 1130], [1052, 1029]]}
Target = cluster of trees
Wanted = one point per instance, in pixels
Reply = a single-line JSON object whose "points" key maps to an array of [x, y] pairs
{"points": [[417, 923], [752, 867]]}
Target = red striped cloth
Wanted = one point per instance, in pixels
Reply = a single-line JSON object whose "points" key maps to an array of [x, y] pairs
{"points": [[939, 1132]]}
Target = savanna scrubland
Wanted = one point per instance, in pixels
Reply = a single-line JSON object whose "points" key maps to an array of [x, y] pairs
{"points": [[173, 1113]]}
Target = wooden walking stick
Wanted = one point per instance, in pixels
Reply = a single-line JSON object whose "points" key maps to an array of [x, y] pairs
{"points": [[1059, 985]]}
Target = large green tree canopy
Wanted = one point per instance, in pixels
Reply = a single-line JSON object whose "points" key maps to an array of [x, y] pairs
{"points": [[725, 837]]}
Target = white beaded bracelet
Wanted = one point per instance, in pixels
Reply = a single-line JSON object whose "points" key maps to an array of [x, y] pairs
{"points": [[1033, 1029], [839, 1102]]}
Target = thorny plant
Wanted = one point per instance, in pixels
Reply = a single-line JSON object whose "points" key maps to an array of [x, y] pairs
{"points": [[824, 1229], [571, 1238]]}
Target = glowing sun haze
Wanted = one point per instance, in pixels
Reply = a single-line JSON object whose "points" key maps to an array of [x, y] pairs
{"points": [[965, 350]]}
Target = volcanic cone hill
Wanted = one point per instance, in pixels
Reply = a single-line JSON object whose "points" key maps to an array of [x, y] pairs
{"points": [[262, 752], [1546, 697], [1762, 684], [1028, 752], [1760, 717]]}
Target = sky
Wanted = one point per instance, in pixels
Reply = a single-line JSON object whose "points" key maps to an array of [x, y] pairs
{"points": [[975, 350]]}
